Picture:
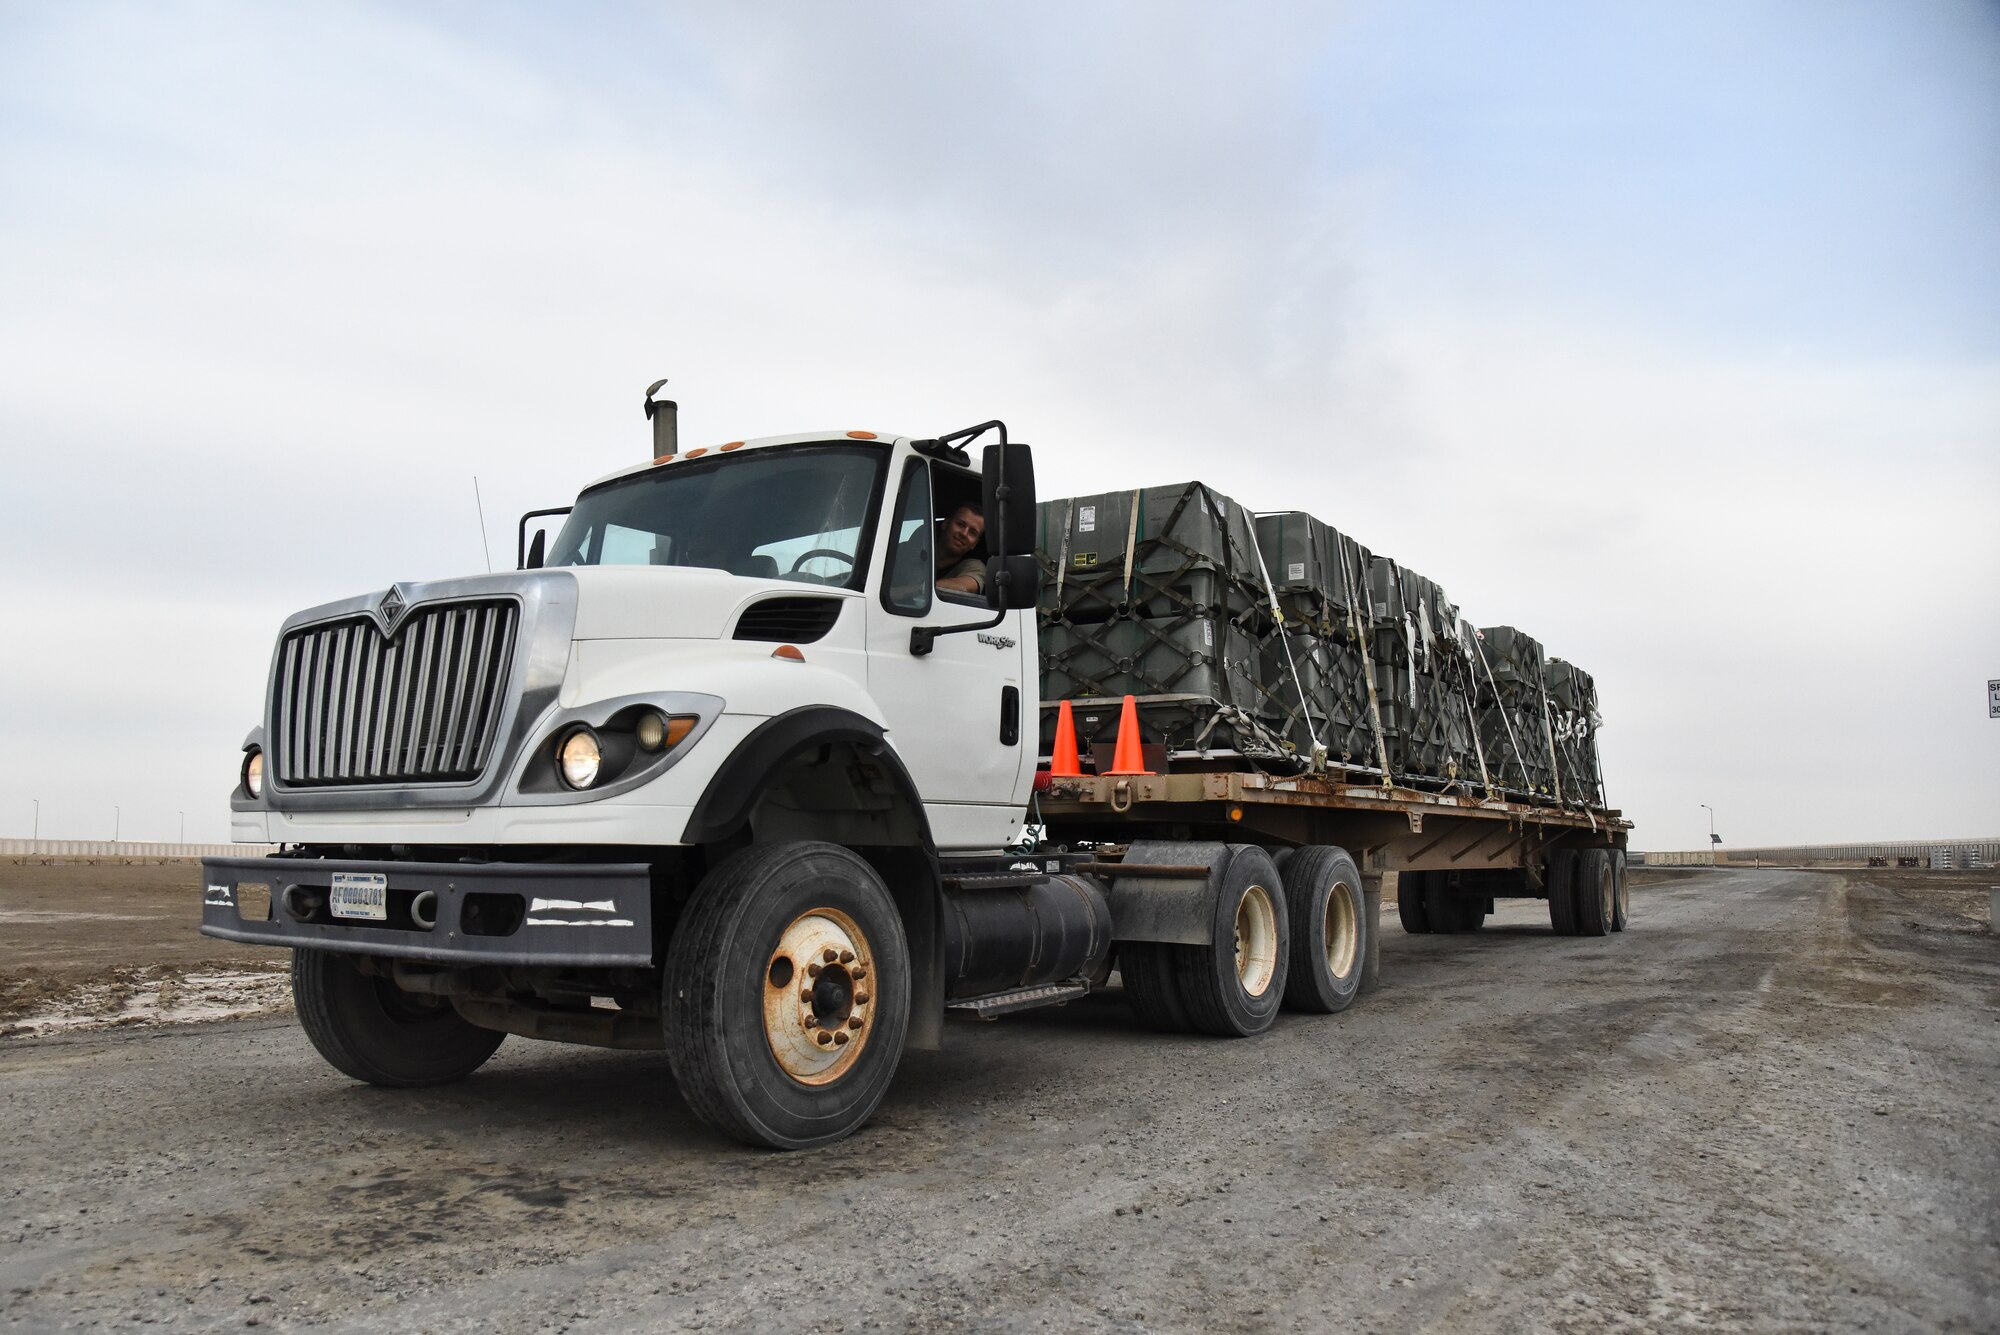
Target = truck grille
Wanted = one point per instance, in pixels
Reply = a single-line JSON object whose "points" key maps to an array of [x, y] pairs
{"points": [[418, 706]]}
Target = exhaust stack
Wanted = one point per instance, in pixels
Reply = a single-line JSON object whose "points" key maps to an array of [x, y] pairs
{"points": [[665, 415]]}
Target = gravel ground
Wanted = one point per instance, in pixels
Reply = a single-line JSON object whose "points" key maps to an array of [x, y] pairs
{"points": [[1767, 1106]]}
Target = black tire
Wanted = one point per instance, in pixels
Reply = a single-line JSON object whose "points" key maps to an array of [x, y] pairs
{"points": [[1329, 921], [369, 1028], [1596, 900], [1411, 902], [1560, 872], [728, 1013], [1620, 896], [1152, 986], [1233, 987]]}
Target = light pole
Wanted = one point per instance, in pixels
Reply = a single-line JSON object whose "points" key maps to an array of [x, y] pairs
{"points": [[184, 827], [116, 816], [1712, 839], [38, 816]]}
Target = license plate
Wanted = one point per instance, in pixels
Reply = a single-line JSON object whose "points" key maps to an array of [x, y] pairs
{"points": [[361, 894]]}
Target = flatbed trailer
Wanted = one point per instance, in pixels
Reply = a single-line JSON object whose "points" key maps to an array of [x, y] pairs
{"points": [[1449, 855]]}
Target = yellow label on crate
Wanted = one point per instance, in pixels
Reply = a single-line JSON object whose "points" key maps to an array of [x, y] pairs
{"points": [[1082, 559]]}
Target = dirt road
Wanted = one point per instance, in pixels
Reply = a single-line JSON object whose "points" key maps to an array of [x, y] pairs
{"points": [[1769, 1106]]}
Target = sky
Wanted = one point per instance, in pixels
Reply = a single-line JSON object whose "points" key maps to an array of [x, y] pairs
{"points": [[1668, 332]]}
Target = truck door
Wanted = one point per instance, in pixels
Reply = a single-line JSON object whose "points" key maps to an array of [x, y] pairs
{"points": [[961, 717]]}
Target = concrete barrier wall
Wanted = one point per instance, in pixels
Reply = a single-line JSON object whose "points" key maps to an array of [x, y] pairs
{"points": [[125, 848], [1940, 854], [1700, 857]]}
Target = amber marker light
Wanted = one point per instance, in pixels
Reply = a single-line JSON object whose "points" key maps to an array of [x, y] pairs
{"points": [[1236, 813], [861, 435], [664, 459], [732, 445], [789, 652], [696, 452]]}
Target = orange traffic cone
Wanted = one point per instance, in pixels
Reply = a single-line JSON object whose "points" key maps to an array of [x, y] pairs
{"points": [[1063, 763], [1130, 757]]}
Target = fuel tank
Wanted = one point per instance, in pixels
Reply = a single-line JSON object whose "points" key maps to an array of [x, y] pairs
{"points": [[1050, 929]]}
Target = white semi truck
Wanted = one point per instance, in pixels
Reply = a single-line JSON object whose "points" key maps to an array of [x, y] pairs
{"points": [[720, 771]]}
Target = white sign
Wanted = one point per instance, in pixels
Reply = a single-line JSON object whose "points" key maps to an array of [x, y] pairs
{"points": [[1993, 699]]}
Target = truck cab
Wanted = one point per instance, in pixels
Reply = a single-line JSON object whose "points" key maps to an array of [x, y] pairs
{"points": [[695, 614], [542, 802]]}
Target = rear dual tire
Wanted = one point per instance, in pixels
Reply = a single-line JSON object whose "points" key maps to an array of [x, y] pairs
{"points": [[1329, 929], [1594, 893], [1232, 987]]}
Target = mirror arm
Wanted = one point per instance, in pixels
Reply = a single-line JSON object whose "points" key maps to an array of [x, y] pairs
{"points": [[521, 539], [923, 637]]}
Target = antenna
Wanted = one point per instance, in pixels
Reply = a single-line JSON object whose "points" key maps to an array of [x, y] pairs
{"points": [[483, 544]]}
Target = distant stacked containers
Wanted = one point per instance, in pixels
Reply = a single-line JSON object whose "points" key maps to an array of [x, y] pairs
{"points": [[1319, 575], [1155, 593], [1422, 674], [1573, 720], [1512, 724]]}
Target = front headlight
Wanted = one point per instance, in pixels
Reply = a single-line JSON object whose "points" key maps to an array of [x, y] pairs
{"points": [[578, 758], [253, 772]]}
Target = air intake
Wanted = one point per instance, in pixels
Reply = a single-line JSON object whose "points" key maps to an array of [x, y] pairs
{"points": [[789, 620]]}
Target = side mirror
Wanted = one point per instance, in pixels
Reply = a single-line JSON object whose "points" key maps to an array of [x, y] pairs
{"points": [[1022, 586], [536, 550], [1008, 472]]}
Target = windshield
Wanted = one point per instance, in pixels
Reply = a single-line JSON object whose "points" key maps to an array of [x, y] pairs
{"points": [[799, 512]]}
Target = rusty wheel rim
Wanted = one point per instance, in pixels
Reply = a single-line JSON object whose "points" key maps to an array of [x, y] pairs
{"points": [[819, 996], [1343, 930], [1256, 941]]}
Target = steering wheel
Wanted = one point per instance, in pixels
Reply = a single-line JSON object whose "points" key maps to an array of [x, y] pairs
{"points": [[822, 551]]}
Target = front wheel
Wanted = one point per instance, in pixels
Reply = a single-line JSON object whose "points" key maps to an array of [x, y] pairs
{"points": [[367, 1027], [787, 995]]}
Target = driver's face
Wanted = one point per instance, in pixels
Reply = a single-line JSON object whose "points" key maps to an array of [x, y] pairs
{"points": [[962, 532]]}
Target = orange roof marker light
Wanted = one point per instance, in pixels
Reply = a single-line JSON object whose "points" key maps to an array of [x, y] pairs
{"points": [[664, 459], [696, 452], [789, 652], [732, 445], [861, 435]]}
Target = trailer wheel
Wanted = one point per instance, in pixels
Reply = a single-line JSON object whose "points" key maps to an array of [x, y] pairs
{"points": [[1596, 899], [1620, 899], [787, 995], [1561, 881], [369, 1028], [1410, 902], [1152, 987], [1233, 987], [1329, 929]]}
